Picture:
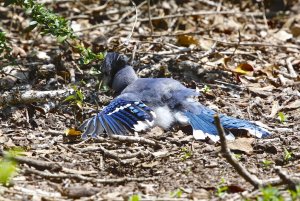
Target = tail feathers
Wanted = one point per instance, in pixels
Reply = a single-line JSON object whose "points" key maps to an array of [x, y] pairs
{"points": [[251, 127], [203, 126]]}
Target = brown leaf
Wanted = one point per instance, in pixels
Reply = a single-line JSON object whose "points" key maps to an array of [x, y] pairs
{"points": [[293, 105], [283, 35], [187, 40], [160, 24], [244, 69], [242, 144], [72, 131]]}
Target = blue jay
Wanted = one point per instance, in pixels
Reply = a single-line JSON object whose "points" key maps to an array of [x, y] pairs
{"points": [[146, 102]]}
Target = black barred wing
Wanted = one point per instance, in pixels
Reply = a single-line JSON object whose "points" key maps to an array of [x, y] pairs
{"points": [[119, 117]]}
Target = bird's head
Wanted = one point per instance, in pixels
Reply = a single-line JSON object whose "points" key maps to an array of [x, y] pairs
{"points": [[112, 64]]}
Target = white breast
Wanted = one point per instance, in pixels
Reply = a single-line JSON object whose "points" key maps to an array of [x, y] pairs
{"points": [[165, 118]]}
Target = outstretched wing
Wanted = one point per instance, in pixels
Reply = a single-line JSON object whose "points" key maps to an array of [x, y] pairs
{"points": [[119, 117]]}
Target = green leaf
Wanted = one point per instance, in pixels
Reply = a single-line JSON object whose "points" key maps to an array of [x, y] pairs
{"points": [[287, 155], [176, 194], [8, 166], [134, 198], [61, 39], [7, 171], [80, 95], [70, 98], [281, 117]]}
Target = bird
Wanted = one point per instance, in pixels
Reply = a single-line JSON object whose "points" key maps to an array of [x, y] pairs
{"points": [[143, 103]]}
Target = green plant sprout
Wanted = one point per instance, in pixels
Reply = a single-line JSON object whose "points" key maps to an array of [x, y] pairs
{"points": [[205, 89], [4, 47], [176, 194], [8, 166], [267, 163], [237, 156], [134, 198], [88, 56], [222, 188], [287, 155], [270, 194], [295, 194], [77, 98], [55, 25], [282, 117], [186, 153]]}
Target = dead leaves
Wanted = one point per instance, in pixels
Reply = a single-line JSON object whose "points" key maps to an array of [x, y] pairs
{"points": [[242, 145], [187, 40]]}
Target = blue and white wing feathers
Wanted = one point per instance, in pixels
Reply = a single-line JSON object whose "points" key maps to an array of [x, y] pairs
{"points": [[119, 117]]}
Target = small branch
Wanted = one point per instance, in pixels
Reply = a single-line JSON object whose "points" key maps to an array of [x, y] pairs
{"points": [[133, 139], [112, 23], [149, 16], [106, 152], [291, 182], [49, 175], [113, 154], [173, 16], [38, 164], [227, 154], [243, 172], [290, 67], [228, 43], [32, 96], [134, 25]]}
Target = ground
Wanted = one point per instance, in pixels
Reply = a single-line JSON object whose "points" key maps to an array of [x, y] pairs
{"points": [[244, 57]]}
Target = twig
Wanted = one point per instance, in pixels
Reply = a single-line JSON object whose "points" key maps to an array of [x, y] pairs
{"points": [[112, 23], [290, 67], [109, 153], [135, 21], [291, 182], [42, 165], [202, 13], [104, 151], [149, 16], [208, 52], [254, 44], [134, 139], [172, 16], [49, 175], [32, 96], [264, 15], [172, 52], [227, 154], [210, 3], [242, 171]]}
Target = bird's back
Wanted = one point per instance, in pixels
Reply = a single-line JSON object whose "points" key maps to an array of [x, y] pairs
{"points": [[158, 91]]}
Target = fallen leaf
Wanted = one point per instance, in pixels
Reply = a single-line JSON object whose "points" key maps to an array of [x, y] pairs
{"points": [[283, 35], [72, 131], [186, 40], [242, 144], [160, 24], [293, 105], [275, 108], [150, 165], [263, 91], [295, 29], [244, 69]]}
